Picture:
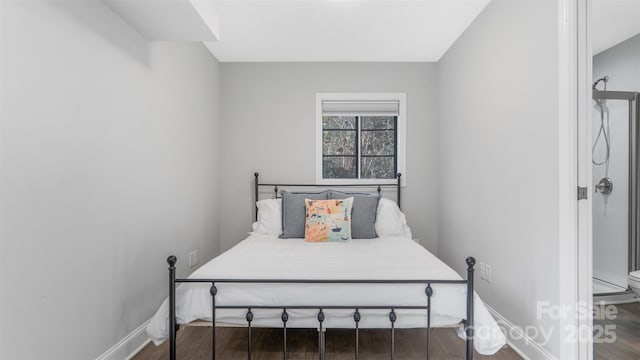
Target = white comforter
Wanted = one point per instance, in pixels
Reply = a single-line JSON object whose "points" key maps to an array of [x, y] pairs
{"points": [[269, 257]]}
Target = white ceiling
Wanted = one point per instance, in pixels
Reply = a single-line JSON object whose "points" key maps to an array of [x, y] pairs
{"points": [[340, 30], [613, 22]]}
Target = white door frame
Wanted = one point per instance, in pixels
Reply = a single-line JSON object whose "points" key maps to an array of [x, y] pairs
{"points": [[575, 232], [585, 218]]}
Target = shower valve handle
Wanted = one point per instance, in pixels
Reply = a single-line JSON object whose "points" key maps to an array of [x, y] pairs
{"points": [[605, 186]]}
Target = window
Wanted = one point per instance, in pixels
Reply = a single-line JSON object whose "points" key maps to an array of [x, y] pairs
{"points": [[359, 137]]}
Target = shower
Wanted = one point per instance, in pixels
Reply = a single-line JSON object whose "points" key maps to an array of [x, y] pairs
{"points": [[615, 212], [605, 185]]}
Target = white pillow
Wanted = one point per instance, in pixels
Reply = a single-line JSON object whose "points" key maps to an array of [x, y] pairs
{"points": [[390, 221], [269, 217]]}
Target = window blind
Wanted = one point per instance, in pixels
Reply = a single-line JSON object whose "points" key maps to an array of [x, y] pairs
{"points": [[341, 107]]}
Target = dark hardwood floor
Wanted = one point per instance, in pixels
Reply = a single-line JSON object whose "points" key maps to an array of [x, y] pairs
{"points": [[195, 343], [627, 334]]}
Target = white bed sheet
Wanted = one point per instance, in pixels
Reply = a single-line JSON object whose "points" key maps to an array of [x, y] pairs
{"points": [[269, 257]]}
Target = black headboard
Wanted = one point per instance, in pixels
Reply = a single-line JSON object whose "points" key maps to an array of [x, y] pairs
{"points": [[378, 187]]}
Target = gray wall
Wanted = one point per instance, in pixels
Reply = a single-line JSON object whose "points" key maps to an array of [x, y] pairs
{"points": [[498, 162], [269, 117], [109, 164]]}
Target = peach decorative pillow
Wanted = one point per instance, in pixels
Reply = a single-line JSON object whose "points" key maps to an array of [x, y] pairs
{"points": [[328, 220]]}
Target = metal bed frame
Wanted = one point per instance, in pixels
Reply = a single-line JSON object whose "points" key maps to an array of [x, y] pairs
{"points": [[357, 316], [276, 188]]}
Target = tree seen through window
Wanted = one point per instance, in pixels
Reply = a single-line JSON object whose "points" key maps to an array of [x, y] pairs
{"points": [[359, 147]]}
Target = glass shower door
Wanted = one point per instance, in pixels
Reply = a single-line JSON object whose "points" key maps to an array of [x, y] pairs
{"points": [[611, 198]]}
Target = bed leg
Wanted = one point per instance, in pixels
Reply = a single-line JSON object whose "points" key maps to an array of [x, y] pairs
{"points": [[469, 322], [249, 318], [213, 291], [429, 292], [171, 260], [285, 318], [392, 318], [356, 318], [323, 335], [320, 335]]}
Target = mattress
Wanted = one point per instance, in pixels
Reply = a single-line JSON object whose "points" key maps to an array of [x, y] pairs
{"points": [[269, 257]]}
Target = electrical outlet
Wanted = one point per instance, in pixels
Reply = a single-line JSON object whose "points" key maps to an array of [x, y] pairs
{"points": [[193, 258], [488, 274], [483, 270]]}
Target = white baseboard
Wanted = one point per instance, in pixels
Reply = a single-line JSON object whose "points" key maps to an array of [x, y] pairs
{"points": [[128, 347], [521, 342]]}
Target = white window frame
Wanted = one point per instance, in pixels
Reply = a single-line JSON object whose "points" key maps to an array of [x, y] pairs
{"points": [[401, 98]]}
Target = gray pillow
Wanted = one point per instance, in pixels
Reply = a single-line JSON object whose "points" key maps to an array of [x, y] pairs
{"points": [[294, 211], [363, 213]]}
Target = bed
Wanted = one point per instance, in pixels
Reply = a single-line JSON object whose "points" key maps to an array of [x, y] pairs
{"points": [[386, 282]]}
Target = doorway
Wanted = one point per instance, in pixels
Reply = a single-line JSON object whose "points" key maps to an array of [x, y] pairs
{"points": [[612, 114]]}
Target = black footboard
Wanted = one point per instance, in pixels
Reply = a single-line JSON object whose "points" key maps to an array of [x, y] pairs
{"points": [[357, 316]]}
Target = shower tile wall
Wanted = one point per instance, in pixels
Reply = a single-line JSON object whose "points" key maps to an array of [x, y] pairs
{"points": [[610, 212]]}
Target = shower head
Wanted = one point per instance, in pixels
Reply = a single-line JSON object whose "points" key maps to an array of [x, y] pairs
{"points": [[604, 79]]}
